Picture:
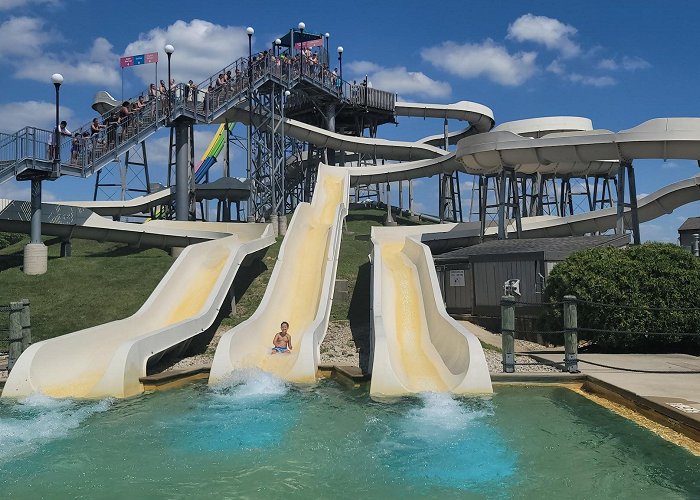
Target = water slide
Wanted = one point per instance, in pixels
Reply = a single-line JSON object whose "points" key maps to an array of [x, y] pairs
{"points": [[108, 360], [416, 346], [300, 290], [212, 152], [65, 221]]}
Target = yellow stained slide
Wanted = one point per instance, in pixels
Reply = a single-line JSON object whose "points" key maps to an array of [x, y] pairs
{"points": [[416, 346], [300, 290]]}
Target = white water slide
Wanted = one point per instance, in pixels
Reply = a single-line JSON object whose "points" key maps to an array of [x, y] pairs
{"points": [[300, 290], [301, 286], [108, 360]]}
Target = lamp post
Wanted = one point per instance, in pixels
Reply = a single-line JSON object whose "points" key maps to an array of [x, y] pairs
{"points": [[57, 79], [169, 49], [301, 27], [327, 46], [340, 61], [278, 42], [249, 30]]}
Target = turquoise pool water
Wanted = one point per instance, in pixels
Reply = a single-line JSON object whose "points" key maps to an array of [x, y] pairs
{"points": [[260, 438]]}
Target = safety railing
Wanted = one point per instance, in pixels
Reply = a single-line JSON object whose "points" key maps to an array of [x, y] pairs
{"points": [[85, 151]]}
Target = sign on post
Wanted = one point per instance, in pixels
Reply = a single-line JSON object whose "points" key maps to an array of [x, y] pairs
{"points": [[138, 60], [457, 277]]}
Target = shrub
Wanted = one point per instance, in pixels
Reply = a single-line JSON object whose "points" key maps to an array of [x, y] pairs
{"points": [[641, 278], [7, 239]]}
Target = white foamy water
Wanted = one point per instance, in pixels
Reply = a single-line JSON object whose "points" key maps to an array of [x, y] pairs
{"points": [[251, 383], [439, 416], [28, 424]]}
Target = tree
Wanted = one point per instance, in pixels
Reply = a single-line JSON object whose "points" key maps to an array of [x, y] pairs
{"points": [[648, 288]]}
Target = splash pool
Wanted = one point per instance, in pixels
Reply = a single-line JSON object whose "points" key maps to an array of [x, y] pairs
{"points": [[258, 438]]}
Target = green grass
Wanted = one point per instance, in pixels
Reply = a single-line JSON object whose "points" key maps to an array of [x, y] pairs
{"points": [[100, 282], [103, 282]]}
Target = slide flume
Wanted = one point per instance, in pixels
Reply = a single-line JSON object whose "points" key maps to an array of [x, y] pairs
{"points": [[108, 360], [417, 347], [300, 290]]}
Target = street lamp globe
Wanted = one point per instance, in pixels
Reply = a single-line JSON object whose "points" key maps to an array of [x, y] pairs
{"points": [[302, 26], [169, 49], [340, 50], [57, 78], [250, 31]]}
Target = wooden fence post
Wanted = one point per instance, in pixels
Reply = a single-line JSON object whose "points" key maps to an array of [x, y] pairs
{"points": [[570, 334], [508, 333], [26, 325], [15, 333]]}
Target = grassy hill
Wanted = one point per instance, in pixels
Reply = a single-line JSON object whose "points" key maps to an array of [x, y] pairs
{"points": [[104, 282]]}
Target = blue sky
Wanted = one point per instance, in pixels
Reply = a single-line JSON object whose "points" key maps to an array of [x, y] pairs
{"points": [[618, 63]]}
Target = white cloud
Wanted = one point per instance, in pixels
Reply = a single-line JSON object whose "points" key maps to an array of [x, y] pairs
{"points": [[592, 81], [15, 190], [547, 31], [41, 114], [13, 4], [484, 59], [627, 63], [556, 67], [634, 63], [23, 37], [670, 165], [26, 43], [609, 64], [400, 80], [97, 66], [362, 67], [201, 48]]}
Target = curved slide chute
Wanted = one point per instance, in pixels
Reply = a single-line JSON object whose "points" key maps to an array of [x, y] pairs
{"points": [[417, 346], [108, 360], [212, 152], [300, 290]]}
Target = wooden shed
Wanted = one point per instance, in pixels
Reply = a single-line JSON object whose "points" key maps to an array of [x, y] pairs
{"points": [[687, 232], [472, 279]]}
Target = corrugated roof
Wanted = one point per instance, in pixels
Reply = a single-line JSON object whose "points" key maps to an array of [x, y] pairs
{"points": [[690, 224], [560, 247]]}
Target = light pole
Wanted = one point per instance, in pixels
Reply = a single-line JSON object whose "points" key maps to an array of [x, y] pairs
{"points": [[278, 42], [301, 27], [249, 30], [327, 47], [169, 49], [57, 79], [340, 61]]}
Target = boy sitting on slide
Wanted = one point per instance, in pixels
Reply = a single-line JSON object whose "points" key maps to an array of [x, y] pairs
{"points": [[283, 341]]}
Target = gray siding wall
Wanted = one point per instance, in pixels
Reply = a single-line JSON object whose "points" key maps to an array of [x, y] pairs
{"points": [[489, 278]]}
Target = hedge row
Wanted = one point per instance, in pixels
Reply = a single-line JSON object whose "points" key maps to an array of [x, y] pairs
{"points": [[642, 278]]}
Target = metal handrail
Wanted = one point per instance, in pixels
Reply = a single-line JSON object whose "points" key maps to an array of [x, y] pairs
{"points": [[85, 151]]}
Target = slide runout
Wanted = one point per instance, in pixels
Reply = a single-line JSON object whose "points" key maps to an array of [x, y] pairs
{"points": [[108, 360], [299, 291], [416, 346]]}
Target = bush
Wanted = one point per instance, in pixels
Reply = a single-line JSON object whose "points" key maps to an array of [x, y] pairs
{"points": [[7, 239], [642, 278]]}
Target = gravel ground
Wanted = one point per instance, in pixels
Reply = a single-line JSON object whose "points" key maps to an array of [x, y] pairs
{"points": [[344, 345]]}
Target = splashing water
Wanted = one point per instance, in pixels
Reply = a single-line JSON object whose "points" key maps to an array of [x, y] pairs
{"points": [[447, 442], [250, 383], [27, 425]]}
